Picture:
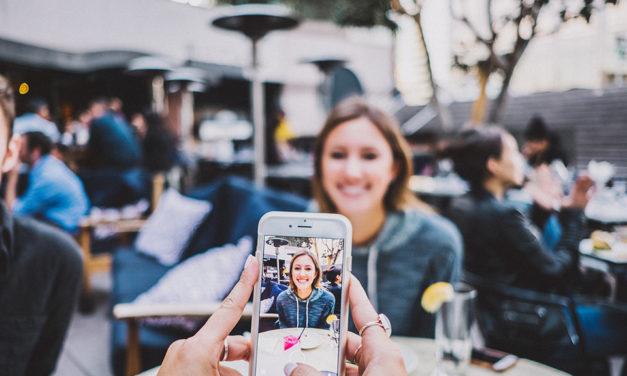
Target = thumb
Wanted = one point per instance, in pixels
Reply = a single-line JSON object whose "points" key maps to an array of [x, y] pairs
{"points": [[300, 369]]}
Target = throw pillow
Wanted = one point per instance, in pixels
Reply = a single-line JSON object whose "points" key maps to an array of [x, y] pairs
{"points": [[204, 278], [170, 226]]}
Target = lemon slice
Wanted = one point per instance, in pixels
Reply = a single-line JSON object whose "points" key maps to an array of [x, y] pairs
{"points": [[435, 295], [331, 318]]}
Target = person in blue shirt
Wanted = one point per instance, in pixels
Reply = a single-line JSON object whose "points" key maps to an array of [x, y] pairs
{"points": [[54, 193], [36, 119], [304, 304]]}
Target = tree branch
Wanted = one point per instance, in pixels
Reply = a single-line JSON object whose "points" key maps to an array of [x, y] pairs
{"points": [[474, 30], [491, 20]]}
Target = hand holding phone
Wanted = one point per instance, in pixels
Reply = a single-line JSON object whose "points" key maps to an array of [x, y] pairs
{"points": [[203, 351], [300, 310], [378, 354]]}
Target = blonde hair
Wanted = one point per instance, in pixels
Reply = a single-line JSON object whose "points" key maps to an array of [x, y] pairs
{"points": [[398, 195], [316, 282]]}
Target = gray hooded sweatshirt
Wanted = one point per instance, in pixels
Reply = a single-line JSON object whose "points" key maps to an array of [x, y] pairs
{"points": [[312, 312], [412, 251]]}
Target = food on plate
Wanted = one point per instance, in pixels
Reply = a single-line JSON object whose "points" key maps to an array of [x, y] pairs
{"points": [[602, 240]]}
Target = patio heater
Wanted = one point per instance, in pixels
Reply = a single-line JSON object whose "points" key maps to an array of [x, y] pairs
{"points": [[326, 65], [188, 80], [277, 243], [255, 21], [154, 67]]}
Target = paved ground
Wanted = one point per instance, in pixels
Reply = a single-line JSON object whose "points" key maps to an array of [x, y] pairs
{"points": [[86, 350]]}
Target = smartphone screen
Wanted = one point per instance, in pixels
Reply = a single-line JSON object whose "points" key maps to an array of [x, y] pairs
{"points": [[300, 304]]}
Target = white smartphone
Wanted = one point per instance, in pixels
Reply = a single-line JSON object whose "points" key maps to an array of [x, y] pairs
{"points": [[301, 301]]}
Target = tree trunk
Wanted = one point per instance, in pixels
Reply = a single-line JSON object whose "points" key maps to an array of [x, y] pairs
{"points": [[442, 112], [478, 107], [496, 110]]}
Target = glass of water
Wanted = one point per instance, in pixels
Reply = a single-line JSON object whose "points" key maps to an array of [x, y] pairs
{"points": [[452, 332]]}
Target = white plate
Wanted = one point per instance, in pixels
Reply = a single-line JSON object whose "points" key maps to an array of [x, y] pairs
{"points": [[617, 254], [409, 357], [310, 340], [240, 366]]}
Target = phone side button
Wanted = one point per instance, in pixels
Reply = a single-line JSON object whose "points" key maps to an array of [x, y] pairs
{"points": [[349, 263]]}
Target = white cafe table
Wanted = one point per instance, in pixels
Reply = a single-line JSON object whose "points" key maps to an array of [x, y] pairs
{"points": [[419, 353]]}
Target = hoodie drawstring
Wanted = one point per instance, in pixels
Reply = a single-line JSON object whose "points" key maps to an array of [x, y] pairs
{"points": [[306, 312], [371, 277]]}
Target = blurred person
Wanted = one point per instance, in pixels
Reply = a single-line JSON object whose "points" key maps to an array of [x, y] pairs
{"points": [[542, 146], [111, 142], [546, 178], [138, 122], [76, 131], [502, 245], [159, 144], [37, 119], [282, 136], [373, 353], [113, 175], [334, 277], [362, 167], [54, 193], [115, 106], [40, 275], [305, 304]]}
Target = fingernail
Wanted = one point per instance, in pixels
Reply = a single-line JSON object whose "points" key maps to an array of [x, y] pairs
{"points": [[289, 368], [248, 261]]}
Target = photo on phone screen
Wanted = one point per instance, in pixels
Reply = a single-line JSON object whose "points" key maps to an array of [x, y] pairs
{"points": [[300, 304]]}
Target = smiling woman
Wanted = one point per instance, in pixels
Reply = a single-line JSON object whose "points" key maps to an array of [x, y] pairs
{"points": [[305, 292], [362, 167]]}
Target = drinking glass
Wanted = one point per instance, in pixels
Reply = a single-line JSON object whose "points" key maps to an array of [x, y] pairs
{"points": [[334, 330], [452, 332]]}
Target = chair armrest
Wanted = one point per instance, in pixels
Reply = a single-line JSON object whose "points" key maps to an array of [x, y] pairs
{"points": [[132, 311], [120, 225]]}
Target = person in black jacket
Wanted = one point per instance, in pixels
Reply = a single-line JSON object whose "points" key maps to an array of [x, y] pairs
{"points": [[40, 276], [502, 245], [499, 240]]}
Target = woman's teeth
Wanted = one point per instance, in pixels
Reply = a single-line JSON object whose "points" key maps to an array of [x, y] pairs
{"points": [[353, 190]]}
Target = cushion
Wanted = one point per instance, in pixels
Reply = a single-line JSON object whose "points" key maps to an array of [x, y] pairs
{"points": [[133, 273], [170, 226], [206, 277], [231, 197]]}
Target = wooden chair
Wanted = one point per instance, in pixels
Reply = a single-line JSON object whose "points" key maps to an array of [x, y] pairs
{"points": [[98, 263], [133, 313]]}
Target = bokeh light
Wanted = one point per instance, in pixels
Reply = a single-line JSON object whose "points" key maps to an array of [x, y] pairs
{"points": [[24, 88]]}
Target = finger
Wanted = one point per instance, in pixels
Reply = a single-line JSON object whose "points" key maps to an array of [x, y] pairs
{"points": [[362, 309], [224, 319], [300, 369], [226, 371], [352, 370], [352, 343], [239, 349]]}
